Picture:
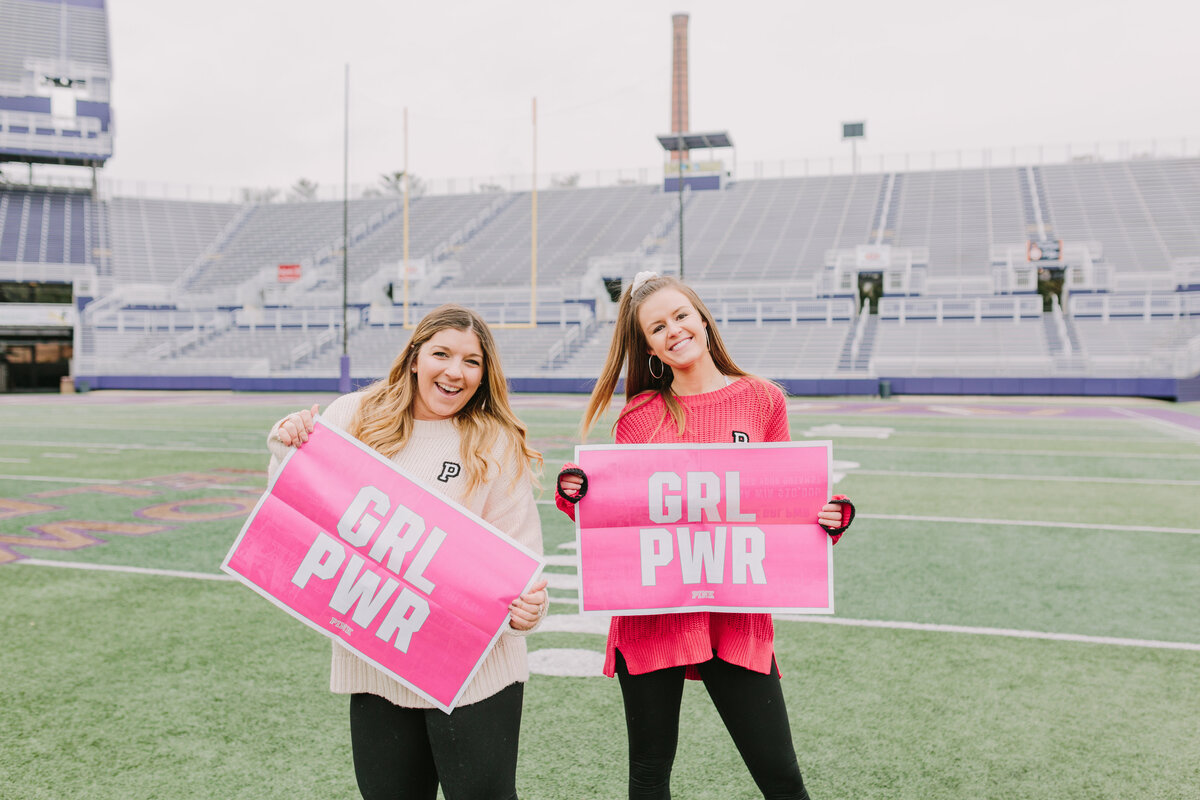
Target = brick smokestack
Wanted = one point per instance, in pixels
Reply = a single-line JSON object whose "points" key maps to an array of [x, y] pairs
{"points": [[679, 77]]}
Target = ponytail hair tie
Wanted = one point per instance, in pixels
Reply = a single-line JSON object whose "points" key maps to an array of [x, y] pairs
{"points": [[641, 278]]}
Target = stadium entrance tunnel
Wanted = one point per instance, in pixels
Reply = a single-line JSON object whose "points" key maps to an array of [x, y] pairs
{"points": [[1050, 286], [34, 362], [870, 289]]}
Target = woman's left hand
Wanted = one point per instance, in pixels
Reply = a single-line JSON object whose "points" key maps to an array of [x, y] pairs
{"points": [[835, 516], [525, 609], [830, 515]]}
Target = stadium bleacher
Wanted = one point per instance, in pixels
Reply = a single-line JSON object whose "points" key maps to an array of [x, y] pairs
{"points": [[155, 241], [47, 227], [187, 286], [573, 225], [777, 229]]}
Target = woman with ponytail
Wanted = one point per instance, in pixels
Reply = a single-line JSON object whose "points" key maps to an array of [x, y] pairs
{"points": [[681, 385]]}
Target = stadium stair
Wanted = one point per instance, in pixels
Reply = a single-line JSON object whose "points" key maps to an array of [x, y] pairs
{"points": [[848, 361], [213, 251], [883, 221]]}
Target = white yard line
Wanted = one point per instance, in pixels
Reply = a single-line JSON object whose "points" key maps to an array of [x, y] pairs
{"points": [[590, 624], [1039, 478], [48, 479], [1163, 424], [1029, 523], [167, 573], [961, 434], [148, 447], [1010, 632], [979, 451]]}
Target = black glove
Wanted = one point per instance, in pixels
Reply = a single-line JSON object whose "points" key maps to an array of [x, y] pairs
{"points": [[575, 498], [847, 515]]}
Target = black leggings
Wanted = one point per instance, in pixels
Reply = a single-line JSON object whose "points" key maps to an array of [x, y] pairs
{"points": [[403, 753], [751, 706]]}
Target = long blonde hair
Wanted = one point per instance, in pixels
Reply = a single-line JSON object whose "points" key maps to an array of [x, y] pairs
{"points": [[629, 344], [384, 420]]}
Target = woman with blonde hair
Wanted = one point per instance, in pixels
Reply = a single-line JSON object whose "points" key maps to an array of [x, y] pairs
{"points": [[681, 385], [442, 414]]}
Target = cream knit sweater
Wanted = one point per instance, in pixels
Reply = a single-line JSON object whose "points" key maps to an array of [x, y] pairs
{"points": [[506, 501]]}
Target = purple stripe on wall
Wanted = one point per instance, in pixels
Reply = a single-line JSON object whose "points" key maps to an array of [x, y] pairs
{"points": [[101, 111], [98, 4], [33, 105], [1167, 388]]}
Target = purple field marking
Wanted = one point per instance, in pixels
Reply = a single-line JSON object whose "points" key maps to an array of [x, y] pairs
{"points": [[1180, 418], [991, 410]]}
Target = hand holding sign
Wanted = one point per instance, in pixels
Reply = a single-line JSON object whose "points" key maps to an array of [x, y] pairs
{"points": [[295, 428], [527, 609]]}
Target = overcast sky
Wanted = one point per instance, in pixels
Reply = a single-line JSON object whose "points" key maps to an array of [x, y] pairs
{"points": [[250, 92]]}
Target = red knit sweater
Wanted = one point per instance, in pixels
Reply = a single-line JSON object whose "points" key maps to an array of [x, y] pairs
{"points": [[655, 641]]}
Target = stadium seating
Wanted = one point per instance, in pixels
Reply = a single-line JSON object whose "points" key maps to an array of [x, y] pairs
{"points": [[761, 253], [959, 215], [1145, 214], [47, 227], [776, 229], [573, 225], [155, 241]]}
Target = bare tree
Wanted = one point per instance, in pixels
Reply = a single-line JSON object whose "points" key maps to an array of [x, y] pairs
{"points": [[393, 183], [303, 190], [267, 195], [565, 181]]}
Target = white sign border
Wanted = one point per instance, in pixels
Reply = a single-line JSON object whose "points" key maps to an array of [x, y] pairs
{"points": [[585, 611], [447, 708]]}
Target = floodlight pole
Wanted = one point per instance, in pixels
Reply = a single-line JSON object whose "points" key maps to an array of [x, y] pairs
{"points": [[534, 230], [679, 164], [853, 131], [407, 186], [344, 377]]}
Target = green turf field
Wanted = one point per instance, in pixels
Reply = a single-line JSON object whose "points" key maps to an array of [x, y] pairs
{"points": [[1018, 613]]}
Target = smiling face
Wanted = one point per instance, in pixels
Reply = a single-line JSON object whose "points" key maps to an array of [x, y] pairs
{"points": [[674, 329], [449, 368]]}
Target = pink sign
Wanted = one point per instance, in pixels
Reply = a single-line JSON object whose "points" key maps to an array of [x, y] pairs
{"points": [[408, 579], [694, 527]]}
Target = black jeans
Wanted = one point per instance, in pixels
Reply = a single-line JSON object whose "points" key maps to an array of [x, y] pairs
{"points": [[751, 706], [404, 753]]}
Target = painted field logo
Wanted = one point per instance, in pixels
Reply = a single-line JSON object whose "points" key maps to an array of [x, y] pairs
{"points": [[232, 498]]}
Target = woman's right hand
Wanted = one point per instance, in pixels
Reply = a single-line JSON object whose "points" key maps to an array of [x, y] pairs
{"points": [[295, 428]]}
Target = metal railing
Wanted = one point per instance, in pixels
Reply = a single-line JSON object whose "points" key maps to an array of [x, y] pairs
{"points": [[793, 167]]}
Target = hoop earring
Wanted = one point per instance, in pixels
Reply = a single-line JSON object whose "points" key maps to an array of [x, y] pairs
{"points": [[650, 366]]}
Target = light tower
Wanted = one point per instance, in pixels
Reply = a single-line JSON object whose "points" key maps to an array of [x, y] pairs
{"points": [[681, 173], [679, 81]]}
